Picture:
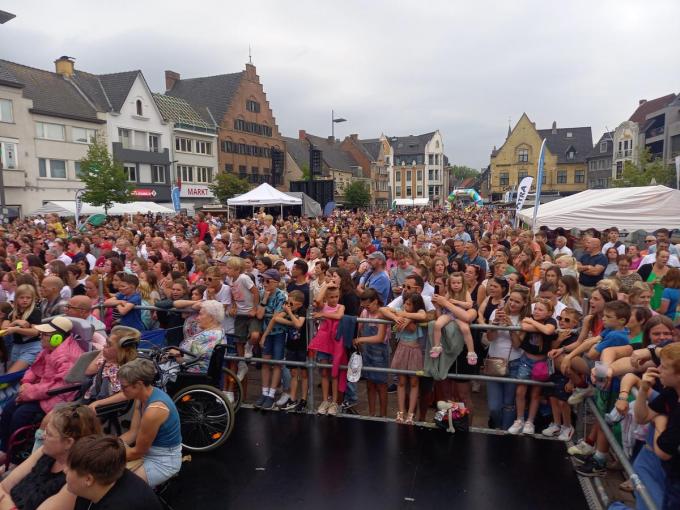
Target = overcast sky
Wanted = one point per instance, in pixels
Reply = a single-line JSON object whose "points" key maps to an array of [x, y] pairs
{"points": [[393, 67]]}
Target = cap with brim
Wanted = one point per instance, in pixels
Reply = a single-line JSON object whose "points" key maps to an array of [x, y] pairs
{"points": [[272, 274], [58, 324], [377, 255]]}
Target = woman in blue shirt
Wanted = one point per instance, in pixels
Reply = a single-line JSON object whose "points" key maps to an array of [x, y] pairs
{"points": [[671, 293], [155, 429]]}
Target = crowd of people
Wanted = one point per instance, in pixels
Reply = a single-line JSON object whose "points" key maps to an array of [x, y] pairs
{"points": [[591, 313]]}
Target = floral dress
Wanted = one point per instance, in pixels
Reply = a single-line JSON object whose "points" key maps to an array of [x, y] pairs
{"points": [[202, 345], [109, 375]]}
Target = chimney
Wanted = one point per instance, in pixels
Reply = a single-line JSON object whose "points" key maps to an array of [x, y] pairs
{"points": [[641, 102], [171, 77], [64, 66], [354, 137], [554, 128], [331, 139], [302, 134]]}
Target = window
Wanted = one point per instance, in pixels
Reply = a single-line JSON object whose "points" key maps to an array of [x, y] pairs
{"points": [[619, 169], [52, 168], [397, 191], [158, 173], [408, 176], [183, 144], [8, 155], [130, 172], [523, 155], [580, 176], [229, 167], [186, 173], [571, 154], [82, 135], [603, 147], [521, 175], [79, 171], [570, 134], [203, 147], [6, 114], [138, 105], [436, 159], [154, 143], [252, 127], [141, 139], [49, 131], [397, 175], [242, 171], [409, 191], [387, 160], [419, 190], [247, 150], [430, 175], [544, 178], [124, 137], [419, 175], [504, 179], [430, 159], [252, 106], [561, 177], [430, 190]]}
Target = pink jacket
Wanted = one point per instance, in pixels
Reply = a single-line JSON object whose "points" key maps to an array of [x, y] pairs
{"points": [[48, 372], [325, 341]]}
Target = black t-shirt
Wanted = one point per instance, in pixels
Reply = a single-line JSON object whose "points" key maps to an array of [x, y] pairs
{"points": [[538, 343], [304, 288], [297, 338], [669, 440], [78, 290], [351, 303], [130, 493], [35, 318]]}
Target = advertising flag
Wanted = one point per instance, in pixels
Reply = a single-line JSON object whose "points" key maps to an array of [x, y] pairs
{"points": [[539, 183]]}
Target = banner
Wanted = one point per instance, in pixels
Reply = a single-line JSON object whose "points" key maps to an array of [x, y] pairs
{"points": [[174, 194], [522, 192], [79, 206], [539, 183]]}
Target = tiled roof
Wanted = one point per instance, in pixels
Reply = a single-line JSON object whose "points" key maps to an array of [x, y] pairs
{"points": [[581, 140], [117, 86], [411, 144], [333, 156], [596, 153], [8, 79], [372, 147], [51, 93], [177, 110], [640, 114], [210, 95]]}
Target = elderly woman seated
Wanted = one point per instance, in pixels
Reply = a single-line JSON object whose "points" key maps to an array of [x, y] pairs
{"points": [[40, 481], [201, 345], [154, 441]]}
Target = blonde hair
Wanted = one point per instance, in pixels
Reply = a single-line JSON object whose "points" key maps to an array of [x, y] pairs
{"points": [[145, 290], [460, 295], [609, 283], [21, 290], [671, 353], [235, 263]]}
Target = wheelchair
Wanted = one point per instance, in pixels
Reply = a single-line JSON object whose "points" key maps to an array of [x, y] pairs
{"points": [[206, 415]]}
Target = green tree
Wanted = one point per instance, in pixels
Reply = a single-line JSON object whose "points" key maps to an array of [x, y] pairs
{"points": [[647, 171], [460, 172], [306, 173], [105, 180], [357, 194], [226, 185]]}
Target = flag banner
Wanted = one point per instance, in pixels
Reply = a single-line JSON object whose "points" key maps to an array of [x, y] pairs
{"points": [[174, 193], [539, 183], [522, 192]]}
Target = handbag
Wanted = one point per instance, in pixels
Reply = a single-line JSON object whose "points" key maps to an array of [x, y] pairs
{"points": [[495, 366], [539, 371]]}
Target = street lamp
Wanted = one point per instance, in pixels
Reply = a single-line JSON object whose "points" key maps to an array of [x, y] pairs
{"points": [[335, 120]]}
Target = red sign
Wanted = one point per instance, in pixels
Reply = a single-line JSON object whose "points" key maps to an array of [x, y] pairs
{"points": [[144, 193]]}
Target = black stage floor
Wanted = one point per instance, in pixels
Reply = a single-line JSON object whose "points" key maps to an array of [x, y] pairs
{"points": [[277, 460]]}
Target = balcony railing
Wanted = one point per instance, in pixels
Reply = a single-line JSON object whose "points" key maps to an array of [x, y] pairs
{"points": [[628, 153], [657, 131]]}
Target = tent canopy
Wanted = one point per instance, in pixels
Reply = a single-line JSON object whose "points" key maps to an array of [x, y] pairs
{"points": [[640, 208], [264, 194], [68, 208], [310, 207], [410, 202]]}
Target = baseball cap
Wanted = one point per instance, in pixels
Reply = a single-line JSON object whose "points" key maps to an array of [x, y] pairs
{"points": [[354, 367], [58, 324], [106, 245], [272, 274], [377, 255]]}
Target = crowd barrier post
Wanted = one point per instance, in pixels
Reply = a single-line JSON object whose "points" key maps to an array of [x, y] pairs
{"points": [[100, 286]]}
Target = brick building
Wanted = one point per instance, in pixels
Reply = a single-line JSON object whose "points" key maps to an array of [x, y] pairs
{"points": [[237, 103]]}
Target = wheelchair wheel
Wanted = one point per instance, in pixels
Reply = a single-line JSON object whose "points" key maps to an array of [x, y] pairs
{"points": [[231, 381], [206, 417]]}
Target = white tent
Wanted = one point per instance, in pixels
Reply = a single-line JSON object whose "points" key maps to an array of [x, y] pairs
{"points": [[641, 208], [68, 208], [410, 202], [264, 194]]}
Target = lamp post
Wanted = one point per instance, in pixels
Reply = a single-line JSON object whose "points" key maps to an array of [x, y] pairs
{"points": [[334, 121]]}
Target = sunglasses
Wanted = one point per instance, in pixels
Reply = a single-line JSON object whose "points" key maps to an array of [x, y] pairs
{"points": [[565, 319], [211, 279], [650, 240]]}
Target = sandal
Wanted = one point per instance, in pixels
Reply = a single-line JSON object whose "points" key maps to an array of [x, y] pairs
{"points": [[400, 417], [436, 351], [409, 419]]}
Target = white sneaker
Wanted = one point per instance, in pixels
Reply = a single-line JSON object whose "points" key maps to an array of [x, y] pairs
{"points": [[323, 407], [242, 370], [230, 396], [285, 397], [552, 430], [248, 350], [529, 428], [516, 427], [581, 448], [580, 394], [565, 433], [332, 409]]}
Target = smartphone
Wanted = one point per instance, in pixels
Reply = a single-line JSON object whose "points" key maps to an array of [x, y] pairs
{"points": [[436, 288]]}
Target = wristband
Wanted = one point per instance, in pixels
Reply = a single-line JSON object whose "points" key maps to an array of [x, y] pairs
{"points": [[624, 399]]}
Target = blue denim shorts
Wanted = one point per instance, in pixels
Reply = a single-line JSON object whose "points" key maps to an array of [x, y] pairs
{"points": [[25, 352], [232, 340], [161, 463], [324, 357], [275, 345], [525, 367], [375, 356]]}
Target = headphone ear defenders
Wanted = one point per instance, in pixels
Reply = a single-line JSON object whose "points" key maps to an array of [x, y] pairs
{"points": [[56, 339]]}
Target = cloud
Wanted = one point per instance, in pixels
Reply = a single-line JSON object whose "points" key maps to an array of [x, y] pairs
{"points": [[394, 67]]}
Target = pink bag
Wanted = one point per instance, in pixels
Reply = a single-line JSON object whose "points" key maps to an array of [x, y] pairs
{"points": [[539, 372]]}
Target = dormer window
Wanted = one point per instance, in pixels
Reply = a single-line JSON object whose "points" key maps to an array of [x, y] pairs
{"points": [[523, 155], [571, 154], [570, 134], [140, 110], [603, 147]]}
